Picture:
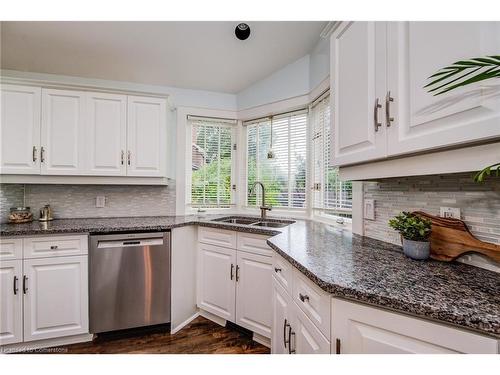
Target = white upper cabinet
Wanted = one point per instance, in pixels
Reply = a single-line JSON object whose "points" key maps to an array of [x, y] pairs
{"points": [[417, 50], [381, 107], [146, 136], [106, 134], [63, 131], [20, 130], [358, 59]]}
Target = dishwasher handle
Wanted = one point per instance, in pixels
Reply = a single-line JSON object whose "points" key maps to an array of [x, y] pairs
{"points": [[130, 243]]}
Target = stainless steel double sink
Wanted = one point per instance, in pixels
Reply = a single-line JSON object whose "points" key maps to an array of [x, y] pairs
{"points": [[269, 223]]}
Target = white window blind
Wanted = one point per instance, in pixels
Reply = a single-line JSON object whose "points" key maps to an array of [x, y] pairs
{"points": [[211, 162], [330, 195], [284, 175]]}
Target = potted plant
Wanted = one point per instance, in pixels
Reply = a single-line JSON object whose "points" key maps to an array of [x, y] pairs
{"points": [[415, 232]]}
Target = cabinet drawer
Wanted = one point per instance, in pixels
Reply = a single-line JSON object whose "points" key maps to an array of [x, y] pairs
{"points": [[308, 338], [283, 272], [218, 237], [313, 301], [43, 247], [11, 248], [254, 243]]}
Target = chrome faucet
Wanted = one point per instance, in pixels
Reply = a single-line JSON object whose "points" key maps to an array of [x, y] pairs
{"points": [[263, 207]]}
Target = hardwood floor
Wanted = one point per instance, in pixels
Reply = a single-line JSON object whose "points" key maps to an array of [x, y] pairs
{"points": [[201, 336]]}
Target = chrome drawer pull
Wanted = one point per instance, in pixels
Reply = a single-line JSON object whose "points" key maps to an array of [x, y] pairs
{"points": [[277, 269], [53, 247]]}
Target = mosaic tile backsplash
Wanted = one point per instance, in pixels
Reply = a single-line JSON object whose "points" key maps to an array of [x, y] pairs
{"points": [[479, 203], [77, 201]]}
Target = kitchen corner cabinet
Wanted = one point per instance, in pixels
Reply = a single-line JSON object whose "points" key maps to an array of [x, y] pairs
{"points": [[81, 133], [233, 284], [381, 108], [20, 130], [43, 297]]}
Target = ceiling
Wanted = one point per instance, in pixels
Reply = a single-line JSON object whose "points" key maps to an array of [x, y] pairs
{"points": [[196, 55]]}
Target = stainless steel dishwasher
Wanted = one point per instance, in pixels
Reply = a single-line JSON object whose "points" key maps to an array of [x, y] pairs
{"points": [[129, 280]]}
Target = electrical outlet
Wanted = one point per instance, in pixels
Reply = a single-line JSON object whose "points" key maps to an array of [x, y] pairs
{"points": [[100, 201], [369, 209], [449, 212]]}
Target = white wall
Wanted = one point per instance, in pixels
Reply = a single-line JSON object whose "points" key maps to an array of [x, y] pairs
{"points": [[319, 63], [290, 81]]}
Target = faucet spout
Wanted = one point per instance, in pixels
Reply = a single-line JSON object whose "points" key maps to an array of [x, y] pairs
{"points": [[263, 207]]}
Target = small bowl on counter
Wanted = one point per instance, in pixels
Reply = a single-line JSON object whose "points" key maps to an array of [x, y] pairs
{"points": [[19, 215]]}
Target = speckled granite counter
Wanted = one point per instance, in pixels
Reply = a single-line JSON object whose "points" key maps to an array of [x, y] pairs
{"points": [[345, 265]]}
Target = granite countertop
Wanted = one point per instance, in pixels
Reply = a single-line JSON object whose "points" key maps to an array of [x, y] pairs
{"points": [[343, 264]]}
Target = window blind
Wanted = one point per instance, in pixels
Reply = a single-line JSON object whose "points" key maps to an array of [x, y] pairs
{"points": [[211, 162], [331, 196], [284, 175]]}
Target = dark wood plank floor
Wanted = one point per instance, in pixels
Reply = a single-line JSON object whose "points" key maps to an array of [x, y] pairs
{"points": [[201, 336]]}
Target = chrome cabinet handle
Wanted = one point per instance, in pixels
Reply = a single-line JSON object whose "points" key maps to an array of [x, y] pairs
{"points": [[25, 284], [290, 334], [34, 154], [375, 114], [42, 154], [303, 297], [277, 269], [388, 100], [237, 273], [231, 274], [128, 158], [337, 346], [285, 325], [15, 286], [123, 157]]}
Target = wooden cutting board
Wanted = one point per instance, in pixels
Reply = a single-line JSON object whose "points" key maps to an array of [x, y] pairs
{"points": [[451, 238]]}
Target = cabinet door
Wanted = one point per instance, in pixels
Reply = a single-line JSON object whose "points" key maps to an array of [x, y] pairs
{"points": [[56, 299], [146, 136], [20, 130], [106, 134], [11, 313], [216, 280], [358, 78], [306, 338], [63, 131], [254, 292], [366, 330], [422, 121], [281, 303]]}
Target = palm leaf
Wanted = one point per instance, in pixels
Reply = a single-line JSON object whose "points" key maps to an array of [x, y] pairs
{"points": [[482, 174], [454, 76]]}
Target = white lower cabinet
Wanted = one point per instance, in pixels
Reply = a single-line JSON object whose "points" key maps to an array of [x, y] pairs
{"points": [[282, 306], [360, 329], [254, 292], [56, 302], [11, 314], [306, 338], [43, 298], [216, 280], [232, 284]]}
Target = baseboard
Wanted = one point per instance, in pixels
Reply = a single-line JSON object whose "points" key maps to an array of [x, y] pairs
{"points": [[176, 329], [48, 343], [266, 341], [214, 318]]}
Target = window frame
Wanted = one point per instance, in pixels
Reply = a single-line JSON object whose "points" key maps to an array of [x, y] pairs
{"points": [[224, 122]]}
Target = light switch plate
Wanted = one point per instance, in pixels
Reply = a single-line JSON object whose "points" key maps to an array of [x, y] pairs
{"points": [[449, 212], [369, 209], [100, 201]]}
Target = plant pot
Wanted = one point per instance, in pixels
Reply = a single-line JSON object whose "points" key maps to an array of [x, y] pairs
{"points": [[418, 250]]}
